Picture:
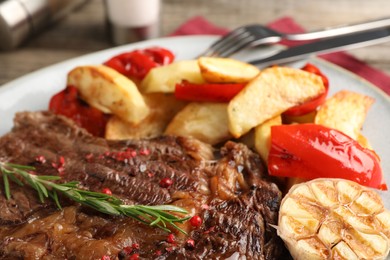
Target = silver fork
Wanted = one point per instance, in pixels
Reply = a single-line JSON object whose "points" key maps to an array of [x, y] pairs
{"points": [[255, 35]]}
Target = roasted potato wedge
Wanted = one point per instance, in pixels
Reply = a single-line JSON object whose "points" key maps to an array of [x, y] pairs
{"points": [[163, 107], [225, 70], [263, 136], [109, 91], [273, 91], [207, 122], [164, 79], [345, 111]]}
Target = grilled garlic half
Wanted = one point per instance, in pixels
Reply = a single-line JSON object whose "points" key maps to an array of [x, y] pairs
{"points": [[334, 219]]}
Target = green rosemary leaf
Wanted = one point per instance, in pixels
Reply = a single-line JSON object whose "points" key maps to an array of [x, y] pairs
{"points": [[101, 196], [136, 217], [40, 194], [172, 221], [20, 167], [178, 228], [48, 177], [94, 194], [59, 187], [28, 177], [131, 210], [43, 189], [54, 195], [75, 195], [16, 180], [102, 206], [170, 217], [167, 208], [71, 184], [147, 211], [155, 222], [6, 185]]}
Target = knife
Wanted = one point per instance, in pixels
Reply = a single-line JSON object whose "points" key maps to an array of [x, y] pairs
{"points": [[339, 43]]}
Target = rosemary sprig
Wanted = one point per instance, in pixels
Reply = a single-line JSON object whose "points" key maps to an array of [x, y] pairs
{"points": [[158, 216]]}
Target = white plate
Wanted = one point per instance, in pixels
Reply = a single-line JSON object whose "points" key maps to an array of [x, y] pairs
{"points": [[33, 91]]}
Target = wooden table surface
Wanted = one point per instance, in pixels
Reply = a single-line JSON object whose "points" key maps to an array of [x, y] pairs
{"points": [[84, 30]]}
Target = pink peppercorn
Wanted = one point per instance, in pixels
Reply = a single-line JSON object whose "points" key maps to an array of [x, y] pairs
{"points": [[107, 191], [196, 221], [166, 182], [190, 244], [135, 246], [134, 257], [171, 238]]}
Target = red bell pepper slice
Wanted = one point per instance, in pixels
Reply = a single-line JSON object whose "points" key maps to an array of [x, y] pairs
{"points": [[68, 103], [314, 69], [313, 151], [312, 104], [160, 55], [207, 92], [136, 64]]}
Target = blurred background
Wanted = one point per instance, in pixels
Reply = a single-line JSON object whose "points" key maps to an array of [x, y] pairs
{"points": [[84, 31]]}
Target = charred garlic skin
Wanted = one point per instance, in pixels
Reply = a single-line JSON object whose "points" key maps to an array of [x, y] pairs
{"points": [[334, 219]]}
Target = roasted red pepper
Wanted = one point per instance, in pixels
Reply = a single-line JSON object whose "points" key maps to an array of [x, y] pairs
{"points": [[313, 151], [207, 92], [68, 103], [315, 70], [160, 55], [313, 103], [136, 64]]}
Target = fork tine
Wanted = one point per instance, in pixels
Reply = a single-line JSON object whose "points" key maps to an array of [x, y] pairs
{"points": [[235, 33], [230, 42], [223, 40], [235, 46]]}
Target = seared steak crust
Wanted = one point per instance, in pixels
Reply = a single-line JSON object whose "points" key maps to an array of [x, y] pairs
{"points": [[230, 194]]}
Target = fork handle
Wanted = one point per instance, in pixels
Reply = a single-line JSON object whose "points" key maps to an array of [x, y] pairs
{"points": [[340, 30]]}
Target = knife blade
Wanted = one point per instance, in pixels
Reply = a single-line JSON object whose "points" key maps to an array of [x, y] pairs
{"points": [[339, 43]]}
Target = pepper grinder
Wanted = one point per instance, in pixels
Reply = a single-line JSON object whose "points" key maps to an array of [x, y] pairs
{"points": [[132, 20], [20, 19]]}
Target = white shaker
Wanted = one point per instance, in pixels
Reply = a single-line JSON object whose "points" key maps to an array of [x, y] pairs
{"points": [[133, 20]]}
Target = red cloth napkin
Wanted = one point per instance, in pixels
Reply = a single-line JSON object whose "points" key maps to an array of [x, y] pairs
{"points": [[199, 25]]}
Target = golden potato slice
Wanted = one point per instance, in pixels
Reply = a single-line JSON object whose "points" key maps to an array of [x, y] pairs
{"points": [[272, 92], [163, 107], [345, 111], [109, 91], [164, 79], [263, 136], [207, 122], [225, 70]]}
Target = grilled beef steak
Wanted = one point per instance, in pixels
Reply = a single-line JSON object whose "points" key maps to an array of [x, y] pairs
{"points": [[230, 194]]}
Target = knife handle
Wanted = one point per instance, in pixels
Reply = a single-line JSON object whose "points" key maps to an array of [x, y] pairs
{"points": [[340, 30]]}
